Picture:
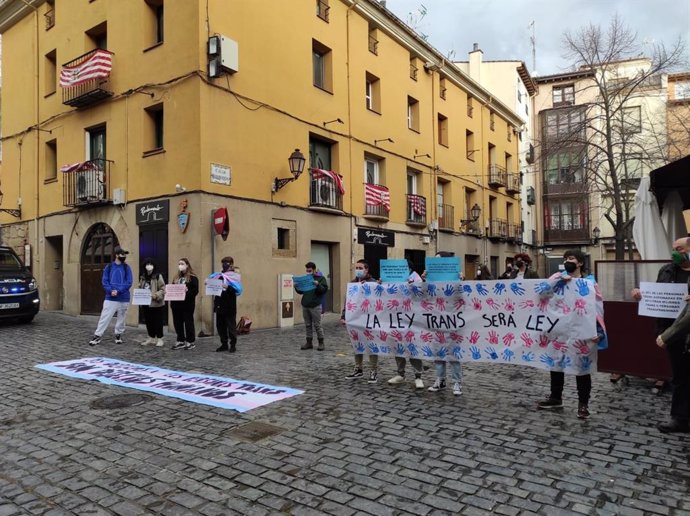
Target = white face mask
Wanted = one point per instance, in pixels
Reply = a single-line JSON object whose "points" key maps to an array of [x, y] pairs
{"points": [[149, 268], [182, 267]]}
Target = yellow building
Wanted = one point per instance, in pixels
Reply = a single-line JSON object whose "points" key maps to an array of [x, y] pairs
{"points": [[133, 122]]}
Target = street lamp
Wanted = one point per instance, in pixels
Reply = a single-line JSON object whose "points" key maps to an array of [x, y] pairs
{"points": [[475, 211], [596, 233], [296, 163]]}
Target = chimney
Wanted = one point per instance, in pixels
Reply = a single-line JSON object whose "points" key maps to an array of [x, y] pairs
{"points": [[475, 47], [475, 65]]}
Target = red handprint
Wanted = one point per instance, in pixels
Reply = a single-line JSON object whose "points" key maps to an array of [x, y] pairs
{"points": [[427, 305], [582, 347], [459, 304], [393, 304], [509, 305], [544, 303], [527, 340], [559, 346], [440, 303], [474, 337], [440, 337], [456, 337], [508, 339], [493, 337], [368, 334], [543, 341], [396, 335], [365, 305], [493, 304], [354, 335], [379, 305], [409, 336], [351, 307], [580, 307], [383, 336], [426, 336], [528, 303], [477, 303], [407, 305], [563, 307]]}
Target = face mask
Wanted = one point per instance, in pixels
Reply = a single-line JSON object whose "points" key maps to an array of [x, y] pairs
{"points": [[359, 273], [149, 268], [519, 263], [182, 268], [226, 266], [122, 258], [479, 274], [678, 257], [570, 267]]}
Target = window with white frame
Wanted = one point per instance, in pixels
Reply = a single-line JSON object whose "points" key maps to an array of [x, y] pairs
{"points": [[371, 171]]}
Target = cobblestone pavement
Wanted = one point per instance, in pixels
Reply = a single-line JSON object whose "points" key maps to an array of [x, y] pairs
{"points": [[347, 447]]}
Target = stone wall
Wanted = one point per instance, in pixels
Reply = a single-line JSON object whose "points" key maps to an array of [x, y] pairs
{"points": [[15, 236]]}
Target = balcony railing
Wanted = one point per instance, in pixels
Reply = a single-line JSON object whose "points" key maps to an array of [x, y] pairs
{"points": [[373, 45], [413, 71], [564, 188], [376, 201], [322, 9], [90, 91], [562, 236], [86, 183], [514, 232], [446, 217], [416, 209], [498, 228], [497, 175], [513, 184], [50, 19], [323, 193]]}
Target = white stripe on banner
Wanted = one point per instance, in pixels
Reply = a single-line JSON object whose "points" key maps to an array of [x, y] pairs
{"points": [[216, 391], [544, 324]]}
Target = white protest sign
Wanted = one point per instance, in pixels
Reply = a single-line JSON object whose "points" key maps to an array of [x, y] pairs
{"points": [[544, 324], [175, 292], [664, 300], [214, 287], [141, 296]]}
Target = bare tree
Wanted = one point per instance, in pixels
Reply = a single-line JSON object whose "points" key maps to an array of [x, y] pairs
{"points": [[623, 124]]}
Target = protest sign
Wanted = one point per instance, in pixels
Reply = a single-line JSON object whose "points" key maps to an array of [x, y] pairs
{"points": [[394, 270], [664, 300], [544, 324], [175, 292], [304, 283], [214, 287], [442, 268], [216, 391], [141, 296]]}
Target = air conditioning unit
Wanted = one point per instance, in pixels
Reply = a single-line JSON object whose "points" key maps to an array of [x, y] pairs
{"points": [[89, 186], [324, 193]]}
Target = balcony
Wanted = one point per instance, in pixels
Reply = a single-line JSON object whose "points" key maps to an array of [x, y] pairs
{"points": [[514, 232], [377, 202], [564, 188], [563, 236], [50, 19], [513, 184], [413, 71], [416, 210], [86, 183], [373, 45], [497, 176], [324, 194], [498, 229], [446, 217], [86, 79], [322, 9]]}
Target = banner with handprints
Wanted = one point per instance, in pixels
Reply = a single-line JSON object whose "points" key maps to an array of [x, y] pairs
{"points": [[546, 324]]}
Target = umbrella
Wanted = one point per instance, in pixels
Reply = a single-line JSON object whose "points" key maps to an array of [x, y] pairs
{"points": [[648, 230]]}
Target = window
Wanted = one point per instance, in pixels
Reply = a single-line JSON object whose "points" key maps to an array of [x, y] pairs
{"points": [[320, 152], [50, 72], [509, 163], [469, 145], [413, 68], [373, 93], [284, 241], [322, 9], [95, 141], [412, 180], [563, 95], [564, 168], [442, 130], [440, 196], [373, 40], [519, 96], [565, 215], [412, 114], [470, 107], [154, 121], [442, 88], [492, 120], [509, 133], [155, 22], [632, 119], [564, 124], [682, 90], [371, 171], [633, 169], [283, 237], [322, 66], [99, 36], [50, 14], [51, 161]]}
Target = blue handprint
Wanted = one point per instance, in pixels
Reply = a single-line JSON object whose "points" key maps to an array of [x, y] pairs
{"points": [[467, 289], [373, 348], [378, 290], [366, 288], [385, 349], [413, 350], [400, 349], [585, 363], [582, 287], [417, 290], [428, 352], [491, 353], [405, 290], [528, 357], [481, 290], [457, 352], [392, 288], [508, 354], [352, 290], [499, 288], [565, 362], [517, 289], [442, 352], [448, 290], [542, 287], [476, 355], [546, 359], [431, 289], [360, 348], [560, 286]]}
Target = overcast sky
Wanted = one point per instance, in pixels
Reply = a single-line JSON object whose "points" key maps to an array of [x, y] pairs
{"points": [[501, 27]]}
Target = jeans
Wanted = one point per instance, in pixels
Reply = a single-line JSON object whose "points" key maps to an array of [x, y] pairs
{"points": [[373, 361], [455, 370], [584, 386], [414, 362], [312, 316], [110, 308]]}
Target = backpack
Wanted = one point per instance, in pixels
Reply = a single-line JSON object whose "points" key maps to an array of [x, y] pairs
{"points": [[244, 326]]}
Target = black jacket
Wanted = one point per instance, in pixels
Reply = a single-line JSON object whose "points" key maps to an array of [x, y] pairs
{"points": [[667, 274], [192, 283], [226, 302]]}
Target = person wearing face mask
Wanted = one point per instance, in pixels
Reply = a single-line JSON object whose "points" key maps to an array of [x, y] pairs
{"points": [[483, 273], [153, 314], [362, 276], [311, 307], [116, 281], [574, 261], [183, 311], [225, 305], [521, 268], [673, 336]]}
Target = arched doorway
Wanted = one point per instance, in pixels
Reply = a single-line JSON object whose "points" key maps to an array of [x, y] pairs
{"points": [[96, 253]]}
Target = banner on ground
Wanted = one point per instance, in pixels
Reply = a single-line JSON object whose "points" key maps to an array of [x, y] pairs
{"points": [[216, 391], [546, 324]]}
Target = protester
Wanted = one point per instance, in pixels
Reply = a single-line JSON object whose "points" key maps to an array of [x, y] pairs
{"points": [[483, 273], [183, 311], [153, 313], [508, 272], [521, 269], [225, 305], [413, 276], [673, 336], [311, 307], [574, 268], [116, 280], [362, 276]]}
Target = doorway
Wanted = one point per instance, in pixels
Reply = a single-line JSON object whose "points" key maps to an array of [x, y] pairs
{"points": [[97, 252], [153, 243], [321, 255], [373, 254], [417, 257], [53, 292], [471, 266]]}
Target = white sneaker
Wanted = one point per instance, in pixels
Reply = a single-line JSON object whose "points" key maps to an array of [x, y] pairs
{"points": [[418, 383], [148, 341], [396, 380], [457, 390], [438, 385], [159, 343]]}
